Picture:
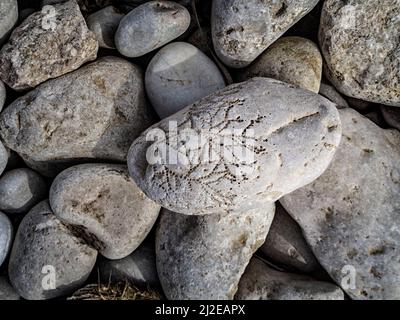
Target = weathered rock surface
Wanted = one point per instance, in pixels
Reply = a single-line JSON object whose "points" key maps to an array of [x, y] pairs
{"points": [[294, 60], [391, 116], [350, 215], [20, 190], [138, 268], [260, 282], [151, 26], [6, 237], [93, 113], [48, 44], [286, 246], [7, 292], [103, 201], [9, 17], [104, 24], [203, 257], [236, 149], [243, 29], [330, 93], [179, 75], [47, 259], [360, 43]]}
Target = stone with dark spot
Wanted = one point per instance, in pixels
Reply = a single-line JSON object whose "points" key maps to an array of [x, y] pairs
{"points": [[48, 44], [244, 145], [104, 202], [350, 215], [47, 261], [203, 257], [260, 282], [92, 113]]}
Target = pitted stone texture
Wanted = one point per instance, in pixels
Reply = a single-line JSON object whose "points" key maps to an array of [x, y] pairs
{"points": [[260, 282], [151, 26], [9, 17], [203, 257], [42, 48], [44, 246], [285, 245], [350, 215], [294, 60], [243, 29], [6, 237], [237, 148], [93, 113], [103, 201], [360, 43], [179, 75]]}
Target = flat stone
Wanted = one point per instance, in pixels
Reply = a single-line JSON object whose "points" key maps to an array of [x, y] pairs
{"points": [[151, 26], [93, 113], [48, 44], [360, 42], [6, 238], [7, 292], [103, 201], [285, 245], [104, 24], [138, 268], [350, 215], [203, 257], [20, 190], [243, 29], [47, 260], [245, 145], [9, 17], [294, 60], [260, 282], [179, 75], [391, 116]]}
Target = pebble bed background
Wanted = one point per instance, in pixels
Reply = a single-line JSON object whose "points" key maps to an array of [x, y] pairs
{"points": [[313, 87]]}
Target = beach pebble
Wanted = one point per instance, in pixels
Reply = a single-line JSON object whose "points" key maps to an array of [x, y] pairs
{"points": [[294, 60], [93, 113], [263, 139], [6, 237], [260, 282], [360, 43], [330, 93], [178, 75], [286, 246], [350, 215], [151, 26], [20, 190], [103, 201], [48, 260], [9, 17], [7, 292], [391, 116], [138, 268], [48, 44], [243, 29], [104, 24], [203, 257]]}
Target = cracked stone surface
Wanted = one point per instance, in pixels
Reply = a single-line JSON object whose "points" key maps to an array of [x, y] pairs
{"points": [[6, 237], [103, 201], [259, 140], [48, 44], [93, 113], [294, 60], [350, 215], [243, 29], [203, 257], [9, 17], [260, 282], [361, 46], [285, 244], [40, 239], [151, 26], [179, 75]]}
